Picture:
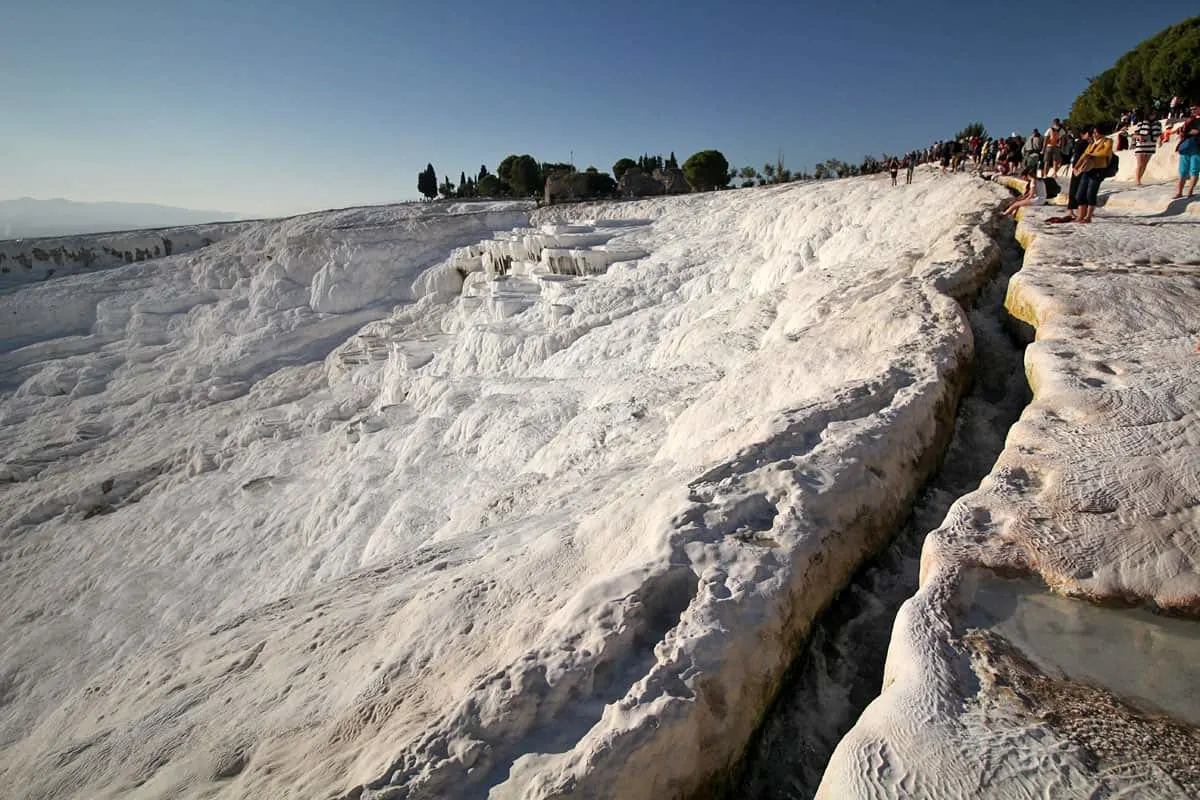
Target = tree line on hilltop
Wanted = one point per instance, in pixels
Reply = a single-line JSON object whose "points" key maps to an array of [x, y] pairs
{"points": [[1164, 66], [706, 170], [525, 176]]}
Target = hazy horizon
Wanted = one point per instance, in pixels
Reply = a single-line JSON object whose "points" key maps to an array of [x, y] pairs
{"points": [[30, 217]]}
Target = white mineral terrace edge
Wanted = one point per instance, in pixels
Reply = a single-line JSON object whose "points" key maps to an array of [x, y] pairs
{"points": [[995, 687]]}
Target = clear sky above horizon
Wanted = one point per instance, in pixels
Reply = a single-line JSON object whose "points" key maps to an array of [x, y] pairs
{"points": [[270, 108]]}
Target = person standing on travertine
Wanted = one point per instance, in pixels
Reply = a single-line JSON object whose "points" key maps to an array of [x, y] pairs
{"points": [[1189, 152], [1090, 168], [1080, 144], [1051, 154], [1033, 151], [1145, 142]]}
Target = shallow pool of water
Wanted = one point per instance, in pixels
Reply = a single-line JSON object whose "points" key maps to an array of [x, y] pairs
{"points": [[1150, 661]]}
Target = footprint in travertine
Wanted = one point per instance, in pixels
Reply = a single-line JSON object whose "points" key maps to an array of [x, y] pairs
{"points": [[981, 517], [1098, 374], [229, 762]]}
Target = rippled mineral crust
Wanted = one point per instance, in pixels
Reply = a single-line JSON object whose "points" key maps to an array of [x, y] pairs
{"points": [[1096, 496], [450, 500]]}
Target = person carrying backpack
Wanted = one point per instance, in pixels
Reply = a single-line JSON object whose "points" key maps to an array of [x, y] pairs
{"points": [[1066, 146], [1033, 151], [1092, 167]]}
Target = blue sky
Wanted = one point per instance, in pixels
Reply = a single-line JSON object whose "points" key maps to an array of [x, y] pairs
{"points": [[266, 107]]}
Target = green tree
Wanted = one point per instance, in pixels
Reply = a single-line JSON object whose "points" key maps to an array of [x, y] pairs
{"points": [[506, 167], [622, 166], [597, 184], [549, 167], [648, 163], [1165, 65], [490, 186], [427, 183], [972, 129], [707, 169], [1174, 68], [836, 168], [523, 175], [671, 162], [447, 189]]}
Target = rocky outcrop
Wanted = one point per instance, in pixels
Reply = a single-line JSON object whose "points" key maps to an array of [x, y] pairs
{"points": [[673, 180], [635, 183], [558, 187]]}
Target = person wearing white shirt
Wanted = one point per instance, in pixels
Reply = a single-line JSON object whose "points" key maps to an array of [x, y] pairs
{"points": [[1035, 193]]}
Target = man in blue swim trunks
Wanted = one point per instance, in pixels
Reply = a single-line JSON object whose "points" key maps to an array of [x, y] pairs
{"points": [[1189, 152]]}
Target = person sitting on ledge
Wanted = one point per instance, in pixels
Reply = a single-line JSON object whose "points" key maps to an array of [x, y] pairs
{"points": [[1035, 193]]}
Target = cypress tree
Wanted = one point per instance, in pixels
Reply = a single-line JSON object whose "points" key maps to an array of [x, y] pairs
{"points": [[427, 183]]}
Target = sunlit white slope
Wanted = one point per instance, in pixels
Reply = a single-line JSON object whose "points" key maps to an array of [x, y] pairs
{"points": [[552, 526], [998, 688]]}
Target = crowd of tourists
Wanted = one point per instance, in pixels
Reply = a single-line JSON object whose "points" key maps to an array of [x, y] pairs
{"points": [[1083, 156], [1088, 156]]}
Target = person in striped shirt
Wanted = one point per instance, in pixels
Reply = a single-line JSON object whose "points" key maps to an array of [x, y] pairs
{"points": [[1145, 141]]}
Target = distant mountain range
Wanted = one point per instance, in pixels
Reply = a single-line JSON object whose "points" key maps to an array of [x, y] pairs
{"points": [[27, 217]]}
